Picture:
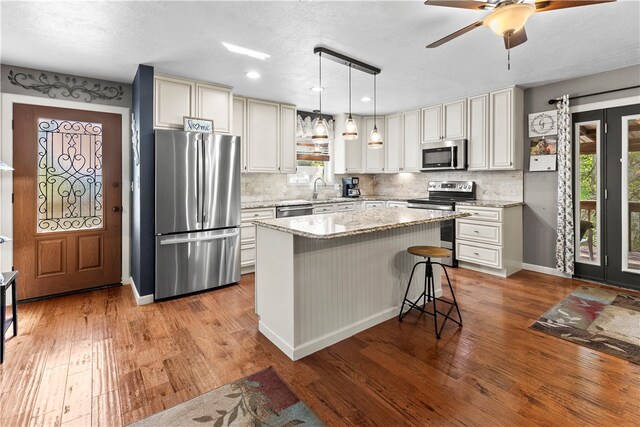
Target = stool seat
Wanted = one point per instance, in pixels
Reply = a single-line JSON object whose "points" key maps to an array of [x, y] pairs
{"points": [[429, 251]]}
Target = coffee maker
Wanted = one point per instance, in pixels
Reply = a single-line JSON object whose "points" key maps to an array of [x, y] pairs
{"points": [[350, 187]]}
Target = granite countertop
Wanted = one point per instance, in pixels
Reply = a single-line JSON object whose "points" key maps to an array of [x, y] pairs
{"points": [[277, 203], [343, 224], [490, 203]]}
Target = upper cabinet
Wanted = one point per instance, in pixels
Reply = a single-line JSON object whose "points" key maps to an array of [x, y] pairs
{"points": [[176, 98], [347, 154], [411, 141], [393, 143], [505, 128], [215, 103], [495, 129], [263, 136], [288, 139], [444, 121], [373, 158], [239, 127]]}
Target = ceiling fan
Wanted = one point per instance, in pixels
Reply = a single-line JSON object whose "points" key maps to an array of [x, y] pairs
{"points": [[507, 17]]}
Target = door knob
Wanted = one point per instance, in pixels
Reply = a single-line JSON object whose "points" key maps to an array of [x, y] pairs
{"points": [[116, 209]]}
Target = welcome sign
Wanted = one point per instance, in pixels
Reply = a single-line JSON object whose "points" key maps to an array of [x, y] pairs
{"points": [[193, 124]]}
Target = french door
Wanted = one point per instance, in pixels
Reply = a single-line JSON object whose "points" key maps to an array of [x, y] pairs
{"points": [[67, 197], [607, 195]]}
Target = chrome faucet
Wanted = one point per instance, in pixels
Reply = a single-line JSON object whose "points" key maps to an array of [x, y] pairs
{"points": [[315, 187]]}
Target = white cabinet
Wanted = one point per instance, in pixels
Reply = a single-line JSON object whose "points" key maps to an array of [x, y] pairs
{"points": [[263, 136], [478, 132], [239, 127], [288, 159], [248, 235], [396, 204], [393, 143], [346, 207], [505, 129], [175, 98], [411, 141], [215, 103], [490, 240], [324, 209], [347, 155], [445, 121], [373, 158]]}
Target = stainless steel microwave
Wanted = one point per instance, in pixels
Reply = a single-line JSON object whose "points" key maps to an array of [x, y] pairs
{"points": [[444, 155]]}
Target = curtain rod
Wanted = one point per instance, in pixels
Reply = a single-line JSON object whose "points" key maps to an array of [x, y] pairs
{"points": [[554, 100]]}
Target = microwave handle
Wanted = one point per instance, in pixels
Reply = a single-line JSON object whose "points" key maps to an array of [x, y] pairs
{"points": [[453, 157]]}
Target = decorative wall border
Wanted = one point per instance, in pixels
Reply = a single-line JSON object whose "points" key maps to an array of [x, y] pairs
{"points": [[66, 87]]}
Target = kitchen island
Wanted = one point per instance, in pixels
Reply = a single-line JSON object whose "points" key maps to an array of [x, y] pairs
{"points": [[323, 278]]}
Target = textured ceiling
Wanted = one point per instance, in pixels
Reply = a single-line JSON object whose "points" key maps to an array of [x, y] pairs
{"points": [[108, 39]]}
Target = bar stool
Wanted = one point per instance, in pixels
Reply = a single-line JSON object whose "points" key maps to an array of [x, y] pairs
{"points": [[429, 293]]}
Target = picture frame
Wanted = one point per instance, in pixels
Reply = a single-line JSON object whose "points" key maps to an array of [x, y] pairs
{"points": [[543, 154], [543, 123], [195, 124]]}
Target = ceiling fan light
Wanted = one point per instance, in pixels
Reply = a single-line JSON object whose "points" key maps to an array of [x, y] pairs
{"points": [[510, 18], [375, 139], [320, 130], [350, 131]]}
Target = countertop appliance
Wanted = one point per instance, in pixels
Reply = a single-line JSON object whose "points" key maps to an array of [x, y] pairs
{"points": [[350, 187], [442, 197], [444, 155], [295, 210], [197, 211]]}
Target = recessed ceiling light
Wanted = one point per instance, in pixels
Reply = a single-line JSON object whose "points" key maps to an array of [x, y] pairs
{"points": [[252, 74], [316, 88], [244, 51], [365, 99]]}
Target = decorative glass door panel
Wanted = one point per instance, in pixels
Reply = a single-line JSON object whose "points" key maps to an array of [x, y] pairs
{"points": [[630, 187], [587, 190], [69, 175]]}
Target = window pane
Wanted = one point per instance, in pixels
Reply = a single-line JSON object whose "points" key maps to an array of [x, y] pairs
{"points": [[587, 188], [69, 175], [631, 197]]}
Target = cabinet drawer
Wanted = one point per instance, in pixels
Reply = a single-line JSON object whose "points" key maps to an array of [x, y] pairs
{"points": [[479, 231], [248, 215], [396, 204], [247, 233], [480, 213], [373, 205], [323, 209], [479, 254], [247, 256], [345, 207]]}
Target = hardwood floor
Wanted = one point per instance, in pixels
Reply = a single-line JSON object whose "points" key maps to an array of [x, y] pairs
{"points": [[98, 359]]}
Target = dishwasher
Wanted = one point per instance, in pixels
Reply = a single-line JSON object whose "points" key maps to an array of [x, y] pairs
{"points": [[295, 210]]}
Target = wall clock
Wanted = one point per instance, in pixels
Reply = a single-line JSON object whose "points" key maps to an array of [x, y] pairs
{"points": [[543, 124]]}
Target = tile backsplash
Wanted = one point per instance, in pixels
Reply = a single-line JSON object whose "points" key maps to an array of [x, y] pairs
{"points": [[491, 185]]}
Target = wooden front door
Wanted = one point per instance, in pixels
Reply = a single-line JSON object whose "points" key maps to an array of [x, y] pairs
{"points": [[67, 198]]}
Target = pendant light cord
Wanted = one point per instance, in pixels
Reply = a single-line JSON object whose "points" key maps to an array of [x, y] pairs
{"points": [[320, 74], [349, 90], [375, 100]]}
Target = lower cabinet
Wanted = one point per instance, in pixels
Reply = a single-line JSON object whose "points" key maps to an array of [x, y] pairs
{"points": [[248, 236], [373, 204], [324, 209], [490, 240], [396, 204]]}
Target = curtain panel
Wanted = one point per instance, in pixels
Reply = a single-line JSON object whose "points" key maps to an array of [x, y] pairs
{"points": [[565, 238]]}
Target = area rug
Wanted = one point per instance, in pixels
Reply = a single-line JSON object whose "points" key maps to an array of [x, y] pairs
{"points": [[600, 319], [261, 399]]}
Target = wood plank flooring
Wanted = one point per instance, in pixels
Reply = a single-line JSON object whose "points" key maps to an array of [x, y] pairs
{"points": [[98, 359]]}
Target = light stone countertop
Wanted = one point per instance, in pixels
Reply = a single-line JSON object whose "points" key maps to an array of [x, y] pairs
{"points": [[490, 203], [344, 224], [277, 203]]}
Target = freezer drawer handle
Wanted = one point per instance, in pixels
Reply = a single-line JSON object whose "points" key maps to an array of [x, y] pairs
{"points": [[198, 239]]}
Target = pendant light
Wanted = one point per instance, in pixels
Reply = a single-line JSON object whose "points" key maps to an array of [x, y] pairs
{"points": [[350, 131], [321, 129], [375, 139]]}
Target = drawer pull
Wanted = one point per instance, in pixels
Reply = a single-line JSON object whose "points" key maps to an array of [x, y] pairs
{"points": [[476, 254], [476, 231]]}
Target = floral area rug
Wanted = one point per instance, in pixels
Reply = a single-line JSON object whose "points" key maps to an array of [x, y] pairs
{"points": [[600, 319], [261, 399]]}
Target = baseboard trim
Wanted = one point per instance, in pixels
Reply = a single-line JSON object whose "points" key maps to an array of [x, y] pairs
{"points": [[140, 300], [545, 270]]}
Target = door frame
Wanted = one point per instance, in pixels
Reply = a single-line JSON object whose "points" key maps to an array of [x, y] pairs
{"points": [[6, 179]]}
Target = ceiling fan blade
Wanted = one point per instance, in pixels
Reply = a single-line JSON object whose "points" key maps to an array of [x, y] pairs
{"points": [[515, 39], [454, 35], [545, 5], [462, 4]]}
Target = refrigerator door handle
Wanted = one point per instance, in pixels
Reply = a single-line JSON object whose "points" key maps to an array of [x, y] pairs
{"points": [[203, 175], [178, 240]]}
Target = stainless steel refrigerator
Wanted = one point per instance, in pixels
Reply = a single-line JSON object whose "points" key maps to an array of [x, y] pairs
{"points": [[197, 211]]}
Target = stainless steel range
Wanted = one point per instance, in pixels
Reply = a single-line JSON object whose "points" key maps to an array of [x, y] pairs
{"points": [[443, 196]]}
